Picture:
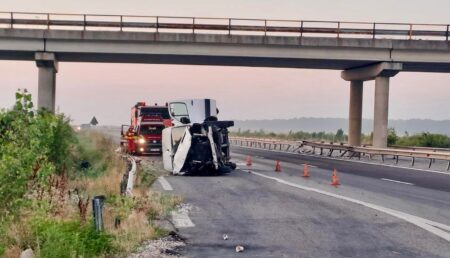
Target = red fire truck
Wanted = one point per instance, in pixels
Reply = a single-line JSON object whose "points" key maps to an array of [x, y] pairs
{"points": [[140, 109], [144, 135]]}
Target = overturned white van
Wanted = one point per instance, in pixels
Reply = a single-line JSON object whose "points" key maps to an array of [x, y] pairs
{"points": [[197, 143]]}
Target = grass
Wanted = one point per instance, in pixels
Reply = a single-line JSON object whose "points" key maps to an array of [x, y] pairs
{"points": [[59, 228]]}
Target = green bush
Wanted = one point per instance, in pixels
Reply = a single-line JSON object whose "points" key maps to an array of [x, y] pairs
{"points": [[69, 239], [33, 146], [425, 140], [392, 137]]}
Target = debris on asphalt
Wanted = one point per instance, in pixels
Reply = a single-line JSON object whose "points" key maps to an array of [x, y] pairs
{"points": [[184, 207], [167, 247], [225, 237], [239, 248]]}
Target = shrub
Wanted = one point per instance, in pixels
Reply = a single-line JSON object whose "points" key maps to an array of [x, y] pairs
{"points": [[69, 239], [33, 146]]}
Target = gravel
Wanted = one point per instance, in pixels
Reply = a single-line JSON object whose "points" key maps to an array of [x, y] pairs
{"points": [[169, 246]]}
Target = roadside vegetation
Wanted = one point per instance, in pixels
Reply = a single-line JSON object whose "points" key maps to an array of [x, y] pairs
{"points": [[424, 139], [48, 177]]}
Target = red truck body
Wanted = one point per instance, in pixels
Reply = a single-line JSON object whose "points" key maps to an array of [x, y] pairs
{"points": [[144, 135]]}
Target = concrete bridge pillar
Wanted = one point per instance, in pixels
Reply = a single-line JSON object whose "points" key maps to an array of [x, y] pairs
{"points": [[355, 113], [48, 67], [381, 111], [381, 73]]}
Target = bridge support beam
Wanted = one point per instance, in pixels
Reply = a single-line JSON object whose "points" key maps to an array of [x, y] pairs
{"points": [[355, 113], [381, 73], [48, 67]]}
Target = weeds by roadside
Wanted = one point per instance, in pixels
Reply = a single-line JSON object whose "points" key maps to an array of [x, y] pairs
{"points": [[48, 177]]}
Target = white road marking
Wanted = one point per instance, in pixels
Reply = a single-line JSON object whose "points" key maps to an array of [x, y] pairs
{"points": [[312, 166], [355, 161], [433, 227], [395, 181], [165, 184], [180, 219]]}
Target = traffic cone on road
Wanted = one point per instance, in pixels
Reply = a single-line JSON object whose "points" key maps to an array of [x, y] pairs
{"points": [[335, 179], [305, 171], [277, 166], [249, 161]]}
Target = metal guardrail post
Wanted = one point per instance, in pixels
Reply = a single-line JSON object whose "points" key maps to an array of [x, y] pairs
{"points": [[339, 29], [193, 25], [157, 24], [229, 27], [84, 22], [12, 20], [48, 21], [97, 211], [410, 31], [121, 23], [446, 35], [374, 30], [301, 29], [265, 28]]}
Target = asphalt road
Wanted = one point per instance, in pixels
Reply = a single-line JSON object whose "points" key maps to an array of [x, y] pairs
{"points": [[272, 219]]}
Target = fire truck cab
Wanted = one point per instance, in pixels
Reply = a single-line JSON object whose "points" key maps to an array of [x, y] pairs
{"points": [[144, 135]]}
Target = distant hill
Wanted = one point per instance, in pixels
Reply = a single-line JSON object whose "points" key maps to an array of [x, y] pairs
{"points": [[310, 124]]}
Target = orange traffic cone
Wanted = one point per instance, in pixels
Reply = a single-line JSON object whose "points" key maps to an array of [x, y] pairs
{"points": [[249, 161], [277, 166], [305, 171], [335, 179]]}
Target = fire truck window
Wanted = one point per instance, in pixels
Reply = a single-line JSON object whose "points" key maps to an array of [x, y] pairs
{"points": [[163, 112], [151, 129], [179, 110]]}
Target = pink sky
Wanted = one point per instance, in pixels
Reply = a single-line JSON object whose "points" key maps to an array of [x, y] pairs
{"points": [[109, 90]]}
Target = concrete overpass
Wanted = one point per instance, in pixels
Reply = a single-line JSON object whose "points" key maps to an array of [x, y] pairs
{"points": [[363, 51]]}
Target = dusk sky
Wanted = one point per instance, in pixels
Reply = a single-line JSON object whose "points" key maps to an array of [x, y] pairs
{"points": [[109, 90]]}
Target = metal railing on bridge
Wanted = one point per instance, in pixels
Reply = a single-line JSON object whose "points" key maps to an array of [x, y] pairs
{"points": [[414, 153], [230, 26]]}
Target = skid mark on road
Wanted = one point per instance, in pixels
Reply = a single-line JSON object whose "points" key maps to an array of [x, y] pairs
{"points": [[165, 184], [433, 227]]}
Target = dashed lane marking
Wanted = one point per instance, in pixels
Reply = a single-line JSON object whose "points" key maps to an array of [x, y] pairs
{"points": [[165, 184], [433, 227], [180, 219], [395, 181]]}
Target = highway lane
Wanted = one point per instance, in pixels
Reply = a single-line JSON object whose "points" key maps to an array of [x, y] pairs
{"points": [[274, 220], [412, 199], [432, 180]]}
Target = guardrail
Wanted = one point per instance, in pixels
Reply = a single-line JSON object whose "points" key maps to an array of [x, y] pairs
{"points": [[269, 144], [299, 147], [194, 25], [127, 183]]}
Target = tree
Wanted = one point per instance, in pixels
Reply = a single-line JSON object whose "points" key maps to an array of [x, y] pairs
{"points": [[339, 135], [392, 137]]}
